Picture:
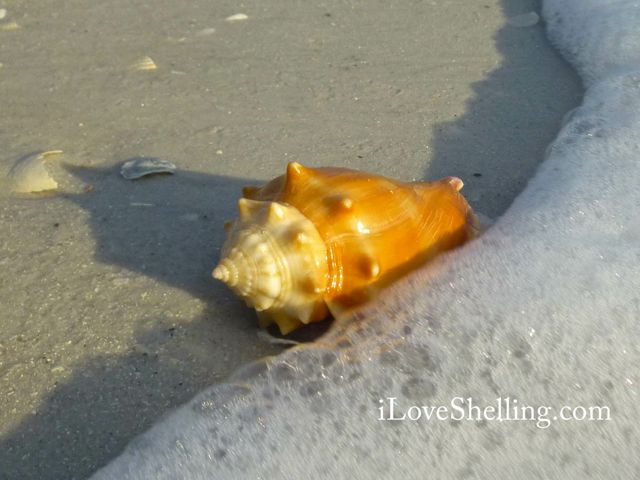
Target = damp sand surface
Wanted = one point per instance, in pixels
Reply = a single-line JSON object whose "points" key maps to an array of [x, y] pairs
{"points": [[109, 315]]}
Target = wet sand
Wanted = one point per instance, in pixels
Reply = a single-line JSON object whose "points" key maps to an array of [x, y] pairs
{"points": [[109, 315]]}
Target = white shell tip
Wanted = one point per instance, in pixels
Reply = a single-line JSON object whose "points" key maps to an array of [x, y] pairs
{"points": [[456, 183], [221, 273]]}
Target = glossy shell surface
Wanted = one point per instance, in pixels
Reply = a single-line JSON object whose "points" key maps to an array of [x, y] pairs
{"points": [[372, 231]]}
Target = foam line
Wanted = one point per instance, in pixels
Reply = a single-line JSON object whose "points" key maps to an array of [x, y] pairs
{"points": [[544, 308]]}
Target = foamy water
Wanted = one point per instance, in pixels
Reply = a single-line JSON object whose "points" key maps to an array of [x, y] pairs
{"points": [[543, 308]]}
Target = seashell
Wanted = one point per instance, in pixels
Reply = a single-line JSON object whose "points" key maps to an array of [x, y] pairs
{"points": [[30, 175], [143, 166], [237, 17], [10, 26], [145, 64], [320, 240]]}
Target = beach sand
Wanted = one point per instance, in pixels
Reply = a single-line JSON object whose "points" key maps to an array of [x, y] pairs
{"points": [[109, 315]]}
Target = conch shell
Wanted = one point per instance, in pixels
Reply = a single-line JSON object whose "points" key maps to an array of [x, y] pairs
{"points": [[320, 240]]}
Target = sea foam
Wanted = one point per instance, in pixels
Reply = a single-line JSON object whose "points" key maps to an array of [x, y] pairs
{"points": [[543, 308]]}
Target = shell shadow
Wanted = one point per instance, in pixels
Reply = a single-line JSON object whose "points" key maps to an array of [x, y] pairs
{"points": [[167, 227]]}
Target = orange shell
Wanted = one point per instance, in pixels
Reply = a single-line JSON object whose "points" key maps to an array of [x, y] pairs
{"points": [[375, 229]]}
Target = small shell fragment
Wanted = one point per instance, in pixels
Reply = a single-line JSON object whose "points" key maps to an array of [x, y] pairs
{"points": [[206, 31], [3, 13], [236, 17], [29, 174], [525, 20], [145, 64], [10, 26], [140, 167]]}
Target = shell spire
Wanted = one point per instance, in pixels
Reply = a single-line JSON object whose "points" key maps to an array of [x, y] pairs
{"points": [[275, 260], [226, 273]]}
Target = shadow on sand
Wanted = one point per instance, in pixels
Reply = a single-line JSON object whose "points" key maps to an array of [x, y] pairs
{"points": [[77, 429], [510, 119]]}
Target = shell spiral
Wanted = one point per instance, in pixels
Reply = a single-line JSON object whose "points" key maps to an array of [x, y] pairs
{"points": [[275, 259], [326, 239]]}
